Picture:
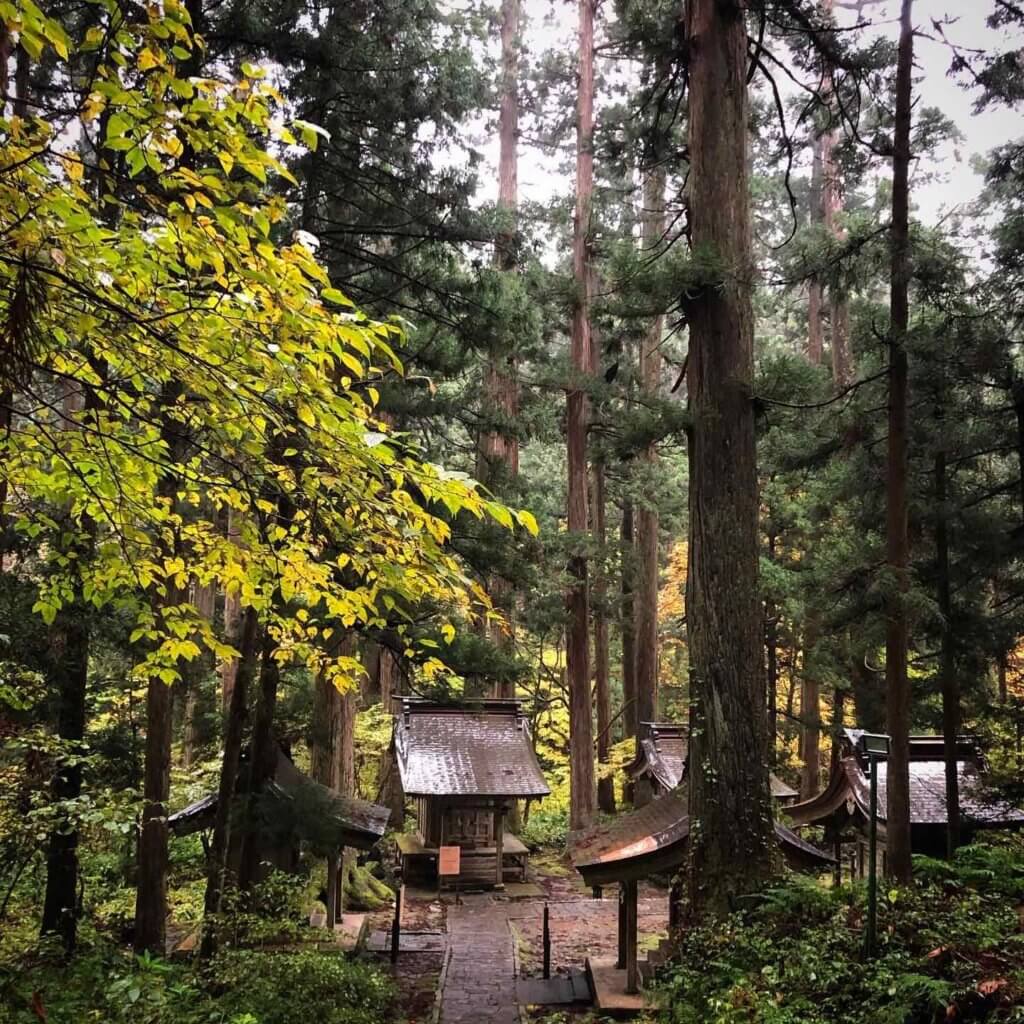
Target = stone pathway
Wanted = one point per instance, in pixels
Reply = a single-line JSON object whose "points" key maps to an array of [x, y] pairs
{"points": [[480, 984]]}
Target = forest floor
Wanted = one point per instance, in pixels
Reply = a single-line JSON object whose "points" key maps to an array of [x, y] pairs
{"points": [[491, 939]]}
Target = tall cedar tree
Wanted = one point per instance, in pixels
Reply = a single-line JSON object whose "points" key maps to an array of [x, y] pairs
{"points": [[897, 539], [499, 449], [581, 731], [730, 847], [647, 510]]}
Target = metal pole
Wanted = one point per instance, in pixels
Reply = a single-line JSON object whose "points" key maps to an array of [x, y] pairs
{"points": [[547, 944], [396, 925], [870, 936]]}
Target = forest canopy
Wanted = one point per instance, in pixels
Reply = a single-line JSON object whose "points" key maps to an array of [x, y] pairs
{"points": [[646, 372]]}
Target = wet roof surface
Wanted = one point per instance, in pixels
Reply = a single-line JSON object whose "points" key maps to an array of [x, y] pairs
{"points": [[658, 825], [364, 821], [473, 750], [663, 752], [978, 804]]}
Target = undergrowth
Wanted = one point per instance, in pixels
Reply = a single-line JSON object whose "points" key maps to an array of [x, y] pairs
{"points": [[950, 949]]}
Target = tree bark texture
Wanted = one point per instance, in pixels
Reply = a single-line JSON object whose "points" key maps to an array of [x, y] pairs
{"points": [[947, 656], [217, 877], [204, 598], [69, 672], [581, 730], [499, 444], [897, 538], [731, 833], [831, 209], [151, 890], [232, 611], [70, 648], [815, 330], [391, 795], [602, 667], [262, 762], [332, 755], [810, 714], [647, 522], [627, 619], [771, 641], [499, 449]]}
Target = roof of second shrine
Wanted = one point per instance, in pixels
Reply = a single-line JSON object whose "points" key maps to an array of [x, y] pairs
{"points": [[473, 749], [663, 750], [359, 823], [653, 838], [849, 788]]}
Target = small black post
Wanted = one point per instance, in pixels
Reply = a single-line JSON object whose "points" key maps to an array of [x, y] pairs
{"points": [[547, 944], [596, 892], [396, 925]]}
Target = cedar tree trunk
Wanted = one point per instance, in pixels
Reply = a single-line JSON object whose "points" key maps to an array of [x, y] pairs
{"points": [[647, 510], [897, 539], [627, 620], [947, 656], [581, 730], [731, 835], [217, 880]]}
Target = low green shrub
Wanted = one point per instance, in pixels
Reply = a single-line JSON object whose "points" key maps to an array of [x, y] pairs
{"points": [[949, 949], [280, 988], [104, 983], [545, 827]]}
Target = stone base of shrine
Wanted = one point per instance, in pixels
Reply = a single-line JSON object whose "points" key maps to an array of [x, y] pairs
{"points": [[608, 983]]}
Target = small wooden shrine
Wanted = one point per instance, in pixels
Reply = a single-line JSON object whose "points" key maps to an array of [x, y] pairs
{"points": [[661, 760], [295, 808], [652, 841], [843, 807], [465, 765]]}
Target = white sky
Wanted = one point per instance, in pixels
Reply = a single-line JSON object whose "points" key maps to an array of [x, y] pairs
{"points": [[952, 181]]}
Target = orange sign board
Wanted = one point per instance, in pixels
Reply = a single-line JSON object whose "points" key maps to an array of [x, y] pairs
{"points": [[448, 861]]}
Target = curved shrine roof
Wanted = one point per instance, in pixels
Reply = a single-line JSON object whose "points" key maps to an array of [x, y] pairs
{"points": [[471, 749]]}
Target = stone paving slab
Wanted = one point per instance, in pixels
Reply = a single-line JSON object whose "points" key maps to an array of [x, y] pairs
{"points": [[479, 983], [409, 942]]}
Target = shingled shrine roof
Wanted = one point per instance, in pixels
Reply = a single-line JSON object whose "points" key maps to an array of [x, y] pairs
{"points": [[663, 747], [849, 787], [653, 838], [360, 822], [480, 748], [663, 750]]}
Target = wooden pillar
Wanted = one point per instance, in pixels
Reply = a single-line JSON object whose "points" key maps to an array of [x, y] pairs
{"points": [[632, 985], [675, 896], [620, 963], [332, 890], [499, 847], [340, 887], [837, 852]]}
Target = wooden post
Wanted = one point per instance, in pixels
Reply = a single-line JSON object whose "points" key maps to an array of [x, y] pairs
{"points": [[499, 847], [396, 924], [547, 944], [837, 851], [620, 962], [631, 911], [675, 895], [333, 878]]}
